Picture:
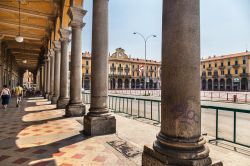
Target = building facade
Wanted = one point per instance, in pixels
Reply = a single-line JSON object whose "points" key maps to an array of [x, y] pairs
{"points": [[125, 72], [226, 73]]}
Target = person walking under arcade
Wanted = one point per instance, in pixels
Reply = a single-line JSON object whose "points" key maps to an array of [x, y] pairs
{"points": [[5, 96]]}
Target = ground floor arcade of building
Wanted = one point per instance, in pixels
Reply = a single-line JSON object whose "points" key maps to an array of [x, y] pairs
{"points": [[226, 84]]}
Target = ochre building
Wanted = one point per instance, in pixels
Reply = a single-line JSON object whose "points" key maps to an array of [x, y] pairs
{"points": [[226, 73], [124, 71]]}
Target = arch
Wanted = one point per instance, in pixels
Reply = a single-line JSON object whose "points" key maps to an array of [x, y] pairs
{"points": [[57, 28], [203, 84], [222, 84], [244, 84], [65, 17], [216, 84], [119, 83], [137, 84], [133, 83], [229, 84], [151, 84], [210, 84], [126, 83]]}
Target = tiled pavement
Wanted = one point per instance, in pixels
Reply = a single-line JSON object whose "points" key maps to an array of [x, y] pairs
{"points": [[38, 134]]}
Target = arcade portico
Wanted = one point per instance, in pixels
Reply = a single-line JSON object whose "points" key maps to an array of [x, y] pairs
{"points": [[47, 28]]}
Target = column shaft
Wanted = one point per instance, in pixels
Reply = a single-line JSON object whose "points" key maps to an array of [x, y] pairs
{"points": [[179, 141], [48, 78], [64, 97], [57, 71], [75, 106], [52, 73], [98, 121]]}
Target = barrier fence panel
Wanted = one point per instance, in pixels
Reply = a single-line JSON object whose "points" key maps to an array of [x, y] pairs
{"points": [[228, 124]]}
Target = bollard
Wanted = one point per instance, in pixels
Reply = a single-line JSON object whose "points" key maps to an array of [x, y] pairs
{"points": [[235, 98]]}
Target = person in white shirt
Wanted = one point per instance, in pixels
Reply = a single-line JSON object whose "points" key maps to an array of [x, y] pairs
{"points": [[5, 95]]}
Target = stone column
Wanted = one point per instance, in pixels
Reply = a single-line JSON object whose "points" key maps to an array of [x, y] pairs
{"points": [[52, 73], [64, 97], [179, 141], [99, 121], [1, 64], [76, 106], [57, 67], [47, 77]]}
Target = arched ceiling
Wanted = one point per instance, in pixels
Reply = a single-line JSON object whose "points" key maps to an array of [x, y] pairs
{"points": [[37, 21]]}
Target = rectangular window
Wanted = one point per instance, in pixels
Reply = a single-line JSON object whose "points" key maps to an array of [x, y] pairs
{"points": [[209, 65], [235, 62], [222, 72], [236, 71], [133, 66], [215, 64], [155, 67], [87, 63], [228, 71], [221, 64], [137, 74], [244, 71], [203, 66], [209, 73], [155, 75], [87, 71], [244, 61], [228, 63]]}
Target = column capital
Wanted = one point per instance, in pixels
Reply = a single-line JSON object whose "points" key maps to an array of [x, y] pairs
{"points": [[51, 52], [57, 45], [64, 34], [76, 15]]}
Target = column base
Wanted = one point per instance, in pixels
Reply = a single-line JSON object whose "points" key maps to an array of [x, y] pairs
{"points": [[75, 110], [54, 100], [100, 125], [62, 103], [46, 96], [50, 96], [150, 157]]}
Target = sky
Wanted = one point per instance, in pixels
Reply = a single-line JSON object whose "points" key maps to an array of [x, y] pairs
{"points": [[225, 26]]}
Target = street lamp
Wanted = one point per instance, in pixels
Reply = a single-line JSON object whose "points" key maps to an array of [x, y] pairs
{"points": [[145, 39]]}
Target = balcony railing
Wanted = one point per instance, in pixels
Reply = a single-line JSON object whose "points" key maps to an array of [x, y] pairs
{"points": [[244, 75], [229, 75], [236, 65]]}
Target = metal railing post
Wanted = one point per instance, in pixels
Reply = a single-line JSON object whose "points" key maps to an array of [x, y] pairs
{"points": [[234, 126], [151, 110], [217, 121]]}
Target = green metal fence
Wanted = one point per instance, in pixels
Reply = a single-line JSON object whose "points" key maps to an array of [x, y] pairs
{"points": [[151, 109]]}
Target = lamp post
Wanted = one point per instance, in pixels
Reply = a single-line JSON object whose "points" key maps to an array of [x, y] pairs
{"points": [[145, 39]]}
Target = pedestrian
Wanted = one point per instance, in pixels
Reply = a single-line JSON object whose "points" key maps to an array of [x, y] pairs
{"points": [[5, 95], [19, 94]]}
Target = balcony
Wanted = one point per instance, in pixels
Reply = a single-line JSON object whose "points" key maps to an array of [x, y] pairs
{"points": [[120, 69], [244, 75], [228, 75], [127, 69], [215, 76], [209, 68], [112, 68], [222, 67], [236, 66]]}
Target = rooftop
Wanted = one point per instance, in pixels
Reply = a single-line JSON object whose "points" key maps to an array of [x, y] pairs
{"points": [[221, 57]]}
